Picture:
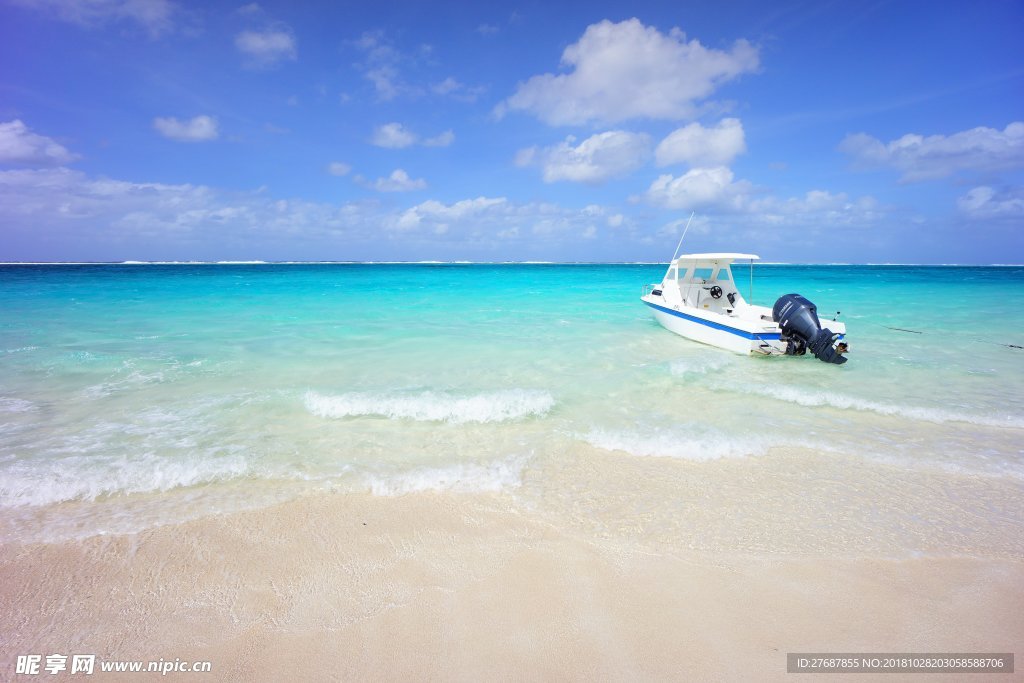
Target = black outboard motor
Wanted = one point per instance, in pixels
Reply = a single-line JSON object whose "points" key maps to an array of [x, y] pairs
{"points": [[798, 319]]}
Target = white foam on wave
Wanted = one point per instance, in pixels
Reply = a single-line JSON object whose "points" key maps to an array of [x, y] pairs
{"points": [[88, 477], [431, 406], [21, 349], [812, 398], [132, 380], [677, 443], [489, 477], [10, 404]]}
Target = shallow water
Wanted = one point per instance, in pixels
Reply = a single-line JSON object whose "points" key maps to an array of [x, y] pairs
{"points": [[135, 395]]}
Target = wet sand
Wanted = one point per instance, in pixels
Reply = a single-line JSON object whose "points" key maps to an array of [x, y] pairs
{"points": [[432, 586]]}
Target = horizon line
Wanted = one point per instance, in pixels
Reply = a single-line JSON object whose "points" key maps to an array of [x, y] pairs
{"points": [[255, 262], [467, 262]]}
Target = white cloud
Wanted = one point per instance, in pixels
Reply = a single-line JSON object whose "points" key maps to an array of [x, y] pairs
{"points": [[698, 188], [446, 87], [699, 146], [384, 79], [986, 203], [443, 140], [713, 190], [156, 16], [398, 181], [381, 65], [627, 70], [937, 156], [338, 168], [393, 136], [19, 145], [197, 129], [61, 213], [453, 88], [386, 67], [397, 136], [267, 48], [600, 157], [150, 218], [482, 220], [817, 209], [695, 225], [437, 214]]}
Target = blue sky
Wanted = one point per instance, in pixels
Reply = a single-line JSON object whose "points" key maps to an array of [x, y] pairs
{"points": [[805, 131]]}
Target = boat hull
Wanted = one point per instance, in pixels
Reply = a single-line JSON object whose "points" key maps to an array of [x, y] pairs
{"points": [[712, 330]]}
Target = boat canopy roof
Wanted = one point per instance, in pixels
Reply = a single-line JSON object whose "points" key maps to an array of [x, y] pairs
{"points": [[724, 256]]}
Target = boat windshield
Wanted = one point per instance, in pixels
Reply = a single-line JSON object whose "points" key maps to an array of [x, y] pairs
{"points": [[699, 273]]}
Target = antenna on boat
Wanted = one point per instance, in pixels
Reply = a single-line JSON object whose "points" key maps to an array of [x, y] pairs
{"points": [[684, 235], [751, 282]]}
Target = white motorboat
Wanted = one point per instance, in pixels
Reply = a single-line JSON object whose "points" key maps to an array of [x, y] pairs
{"points": [[699, 299]]}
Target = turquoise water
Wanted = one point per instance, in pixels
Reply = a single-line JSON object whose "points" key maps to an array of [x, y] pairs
{"points": [[133, 395]]}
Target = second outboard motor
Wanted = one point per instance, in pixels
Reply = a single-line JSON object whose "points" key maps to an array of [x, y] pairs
{"points": [[798, 319]]}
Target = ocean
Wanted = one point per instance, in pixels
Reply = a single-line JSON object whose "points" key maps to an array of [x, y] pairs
{"points": [[139, 395]]}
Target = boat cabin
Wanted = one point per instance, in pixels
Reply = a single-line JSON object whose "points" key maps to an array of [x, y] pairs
{"points": [[704, 281]]}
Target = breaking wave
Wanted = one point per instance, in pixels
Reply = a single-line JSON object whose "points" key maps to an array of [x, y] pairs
{"points": [[461, 478], [86, 478], [688, 445], [430, 406], [813, 398], [15, 405]]}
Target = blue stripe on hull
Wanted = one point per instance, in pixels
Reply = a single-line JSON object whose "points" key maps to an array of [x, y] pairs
{"points": [[766, 336]]}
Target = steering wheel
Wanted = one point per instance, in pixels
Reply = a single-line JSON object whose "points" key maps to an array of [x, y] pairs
{"points": [[716, 292]]}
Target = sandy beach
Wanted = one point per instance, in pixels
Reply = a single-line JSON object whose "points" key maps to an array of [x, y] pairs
{"points": [[513, 485], [440, 587]]}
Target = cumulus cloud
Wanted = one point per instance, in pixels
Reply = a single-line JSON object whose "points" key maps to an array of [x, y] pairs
{"points": [[19, 145], [492, 220], [398, 181], [437, 214], [819, 209], [62, 213], [397, 136], [699, 146], [338, 168], [597, 159], [938, 156], [57, 213], [986, 203], [715, 190], [267, 48], [156, 16], [197, 129], [627, 70], [109, 216], [698, 188], [393, 136]]}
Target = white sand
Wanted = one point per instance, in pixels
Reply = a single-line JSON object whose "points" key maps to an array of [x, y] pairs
{"points": [[472, 587]]}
